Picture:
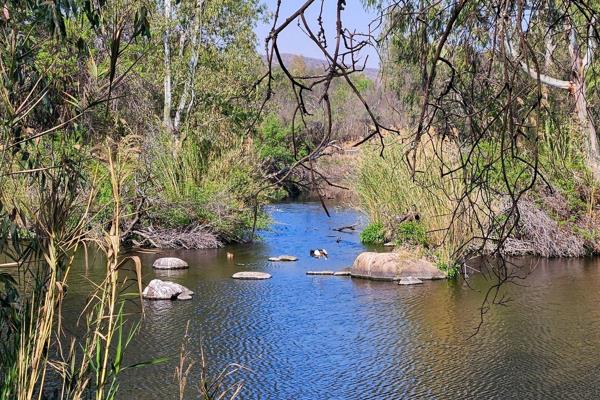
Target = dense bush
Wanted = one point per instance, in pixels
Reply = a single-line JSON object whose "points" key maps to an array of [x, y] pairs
{"points": [[374, 233]]}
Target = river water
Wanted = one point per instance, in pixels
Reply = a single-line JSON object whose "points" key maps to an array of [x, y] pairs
{"points": [[325, 337]]}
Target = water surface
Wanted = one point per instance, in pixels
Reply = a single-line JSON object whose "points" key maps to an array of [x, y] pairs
{"points": [[323, 337]]}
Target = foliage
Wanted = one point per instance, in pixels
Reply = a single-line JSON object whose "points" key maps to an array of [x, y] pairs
{"points": [[272, 143], [387, 190], [373, 233], [452, 270]]}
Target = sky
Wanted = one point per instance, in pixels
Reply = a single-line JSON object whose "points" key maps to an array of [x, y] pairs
{"points": [[295, 41]]}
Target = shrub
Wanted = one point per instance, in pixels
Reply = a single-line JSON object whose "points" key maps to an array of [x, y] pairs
{"points": [[452, 270], [373, 234]]}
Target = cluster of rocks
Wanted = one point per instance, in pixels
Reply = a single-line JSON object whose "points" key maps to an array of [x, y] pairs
{"points": [[402, 267]]}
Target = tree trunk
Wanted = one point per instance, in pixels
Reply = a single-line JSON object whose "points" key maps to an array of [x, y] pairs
{"points": [[586, 125], [192, 64], [578, 90], [167, 67]]}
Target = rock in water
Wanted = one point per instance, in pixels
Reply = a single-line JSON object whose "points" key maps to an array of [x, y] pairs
{"points": [[342, 273], [394, 266], [319, 272], [251, 275], [184, 296], [283, 258], [409, 280], [164, 290], [169, 263]]}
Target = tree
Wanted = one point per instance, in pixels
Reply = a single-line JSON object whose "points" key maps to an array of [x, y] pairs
{"points": [[579, 31]]}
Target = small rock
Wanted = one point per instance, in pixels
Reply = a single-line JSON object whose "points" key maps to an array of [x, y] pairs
{"points": [[341, 273], [409, 280], [389, 244], [164, 290], [319, 272], [169, 263], [184, 296], [251, 275], [283, 258]]}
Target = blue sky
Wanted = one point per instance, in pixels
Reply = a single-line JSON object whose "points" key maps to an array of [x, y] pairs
{"points": [[293, 40]]}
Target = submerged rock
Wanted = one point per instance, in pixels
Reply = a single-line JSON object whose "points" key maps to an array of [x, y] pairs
{"points": [[393, 266], [409, 280], [319, 272], [251, 275], [165, 290], [283, 258], [170, 263], [184, 296]]}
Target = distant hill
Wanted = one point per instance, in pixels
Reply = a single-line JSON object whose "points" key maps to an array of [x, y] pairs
{"points": [[316, 63]]}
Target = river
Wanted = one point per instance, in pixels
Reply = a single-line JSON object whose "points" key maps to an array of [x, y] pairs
{"points": [[325, 337]]}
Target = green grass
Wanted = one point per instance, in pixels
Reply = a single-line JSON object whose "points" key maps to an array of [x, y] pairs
{"points": [[373, 234]]}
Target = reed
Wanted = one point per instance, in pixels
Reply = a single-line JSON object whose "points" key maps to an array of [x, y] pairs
{"points": [[87, 366], [387, 189]]}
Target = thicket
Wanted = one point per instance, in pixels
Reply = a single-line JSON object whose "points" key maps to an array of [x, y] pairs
{"points": [[500, 154], [90, 158]]}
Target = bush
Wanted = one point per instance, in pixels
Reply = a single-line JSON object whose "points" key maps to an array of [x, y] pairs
{"points": [[272, 143], [373, 234], [451, 269]]}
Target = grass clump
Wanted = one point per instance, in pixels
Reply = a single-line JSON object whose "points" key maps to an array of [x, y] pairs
{"points": [[411, 232], [451, 269], [374, 233]]}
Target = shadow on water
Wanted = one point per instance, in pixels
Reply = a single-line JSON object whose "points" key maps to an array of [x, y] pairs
{"points": [[311, 337]]}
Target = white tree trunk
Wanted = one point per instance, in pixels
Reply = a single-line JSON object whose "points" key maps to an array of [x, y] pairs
{"points": [[167, 67], [576, 87], [192, 64]]}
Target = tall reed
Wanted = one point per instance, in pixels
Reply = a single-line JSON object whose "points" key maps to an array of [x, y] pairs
{"points": [[388, 189], [87, 366]]}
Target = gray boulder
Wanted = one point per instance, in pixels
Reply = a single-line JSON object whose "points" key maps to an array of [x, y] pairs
{"points": [[394, 266], [165, 290], [169, 263], [251, 275]]}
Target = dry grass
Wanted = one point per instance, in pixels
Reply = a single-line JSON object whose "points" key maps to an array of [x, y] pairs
{"points": [[387, 190]]}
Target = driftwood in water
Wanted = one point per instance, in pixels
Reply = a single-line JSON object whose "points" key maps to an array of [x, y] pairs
{"points": [[346, 229], [192, 237], [408, 217]]}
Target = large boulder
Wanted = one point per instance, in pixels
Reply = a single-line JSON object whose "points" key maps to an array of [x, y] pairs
{"points": [[169, 263], [394, 266], [164, 290]]}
